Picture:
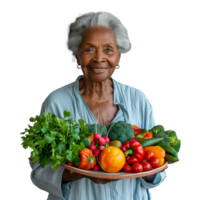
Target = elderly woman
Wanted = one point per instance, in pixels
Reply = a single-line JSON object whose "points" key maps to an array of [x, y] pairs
{"points": [[97, 41]]}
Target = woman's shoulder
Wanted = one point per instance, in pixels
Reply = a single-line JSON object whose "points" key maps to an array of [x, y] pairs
{"points": [[64, 92], [130, 92]]}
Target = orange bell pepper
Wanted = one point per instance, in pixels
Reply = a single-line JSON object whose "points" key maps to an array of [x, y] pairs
{"points": [[88, 160], [158, 153]]}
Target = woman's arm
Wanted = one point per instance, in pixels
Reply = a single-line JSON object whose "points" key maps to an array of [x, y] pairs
{"points": [[67, 176], [149, 179]]}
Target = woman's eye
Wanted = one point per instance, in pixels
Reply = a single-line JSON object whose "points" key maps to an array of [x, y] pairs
{"points": [[106, 49], [88, 49], [109, 50]]}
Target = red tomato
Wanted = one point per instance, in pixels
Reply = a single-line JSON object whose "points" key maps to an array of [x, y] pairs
{"points": [[154, 162], [148, 155], [137, 167], [144, 160], [127, 168], [70, 163], [146, 166]]}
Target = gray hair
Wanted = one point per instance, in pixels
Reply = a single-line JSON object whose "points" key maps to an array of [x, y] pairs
{"points": [[97, 19]]}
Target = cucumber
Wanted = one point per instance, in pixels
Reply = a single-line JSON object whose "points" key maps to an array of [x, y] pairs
{"points": [[170, 159], [168, 149], [150, 142]]}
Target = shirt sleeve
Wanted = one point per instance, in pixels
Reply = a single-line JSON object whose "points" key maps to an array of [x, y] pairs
{"points": [[159, 178], [149, 117], [44, 178]]}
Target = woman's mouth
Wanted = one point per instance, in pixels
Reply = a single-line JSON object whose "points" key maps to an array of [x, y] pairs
{"points": [[97, 70]]}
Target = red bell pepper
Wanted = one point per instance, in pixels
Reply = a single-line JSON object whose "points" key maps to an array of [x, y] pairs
{"points": [[134, 149]]}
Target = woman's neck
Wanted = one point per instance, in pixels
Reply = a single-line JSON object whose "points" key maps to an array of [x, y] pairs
{"points": [[91, 88]]}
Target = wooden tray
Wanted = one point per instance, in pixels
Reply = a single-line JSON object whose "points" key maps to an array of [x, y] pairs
{"points": [[118, 175]]}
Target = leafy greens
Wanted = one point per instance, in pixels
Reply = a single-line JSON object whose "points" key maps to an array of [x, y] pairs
{"points": [[56, 140]]}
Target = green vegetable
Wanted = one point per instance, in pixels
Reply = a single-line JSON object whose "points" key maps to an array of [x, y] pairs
{"points": [[150, 142], [166, 140], [170, 158], [143, 131], [120, 131], [169, 137], [56, 140], [175, 142], [156, 129], [168, 149], [100, 129], [116, 143]]}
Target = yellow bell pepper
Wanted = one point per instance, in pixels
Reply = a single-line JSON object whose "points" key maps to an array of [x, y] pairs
{"points": [[158, 153]]}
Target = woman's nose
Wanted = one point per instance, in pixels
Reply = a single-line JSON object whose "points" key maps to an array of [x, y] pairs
{"points": [[99, 56]]}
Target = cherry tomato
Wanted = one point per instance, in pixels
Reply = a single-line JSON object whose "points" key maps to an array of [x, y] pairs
{"points": [[148, 155], [127, 168], [70, 163], [154, 162], [137, 167], [144, 160], [146, 166]]}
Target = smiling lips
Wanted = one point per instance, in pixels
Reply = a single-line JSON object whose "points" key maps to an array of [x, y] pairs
{"points": [[98, 70]]}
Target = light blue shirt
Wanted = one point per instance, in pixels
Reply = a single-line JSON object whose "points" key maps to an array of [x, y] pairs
{"points": [[134, 108]]}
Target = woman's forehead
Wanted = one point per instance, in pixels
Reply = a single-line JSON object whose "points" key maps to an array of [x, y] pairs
{"points": [[99, 34]]}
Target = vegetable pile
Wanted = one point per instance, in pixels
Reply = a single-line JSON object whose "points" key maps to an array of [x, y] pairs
{"points": [[120, 146], [169, 137]]}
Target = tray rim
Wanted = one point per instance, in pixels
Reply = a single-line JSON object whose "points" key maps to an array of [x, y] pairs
{"points": [[118, 175]]}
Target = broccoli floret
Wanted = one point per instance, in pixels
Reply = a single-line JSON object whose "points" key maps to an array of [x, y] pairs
{"points": [[178, 145], [173, 134], [156, 129], [176, 142], [166, 140], [120, 131]]}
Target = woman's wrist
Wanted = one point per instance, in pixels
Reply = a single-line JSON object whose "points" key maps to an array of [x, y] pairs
{"points": [[149, 178]]}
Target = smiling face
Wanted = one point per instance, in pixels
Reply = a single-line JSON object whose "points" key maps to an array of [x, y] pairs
{"points": [[98, 53]]}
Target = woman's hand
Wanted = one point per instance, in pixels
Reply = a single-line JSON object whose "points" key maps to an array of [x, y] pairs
{"points": [[100, 180]]}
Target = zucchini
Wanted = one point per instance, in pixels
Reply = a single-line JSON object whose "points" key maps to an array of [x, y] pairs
{"points": [[150, 142], [168, 149], [170, 159]]}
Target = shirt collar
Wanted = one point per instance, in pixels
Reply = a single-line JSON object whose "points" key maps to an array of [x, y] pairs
{"points": [[117, 99]]}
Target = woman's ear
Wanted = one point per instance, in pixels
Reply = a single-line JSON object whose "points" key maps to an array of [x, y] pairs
{"points": [[76, 65]]}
